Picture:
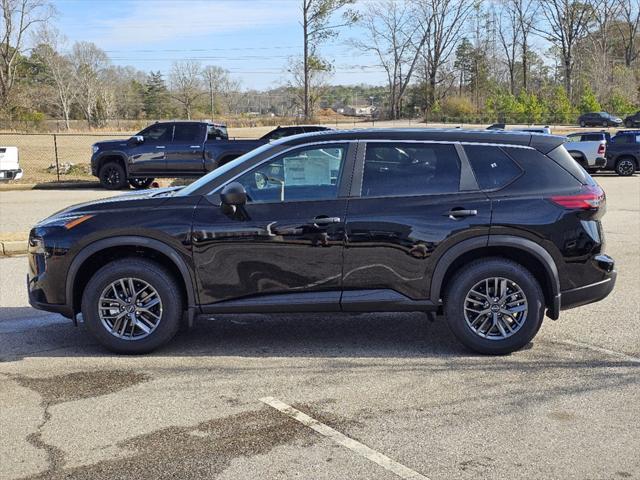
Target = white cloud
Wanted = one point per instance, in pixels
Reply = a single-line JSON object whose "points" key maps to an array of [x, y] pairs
{"points": [[151, 22]]}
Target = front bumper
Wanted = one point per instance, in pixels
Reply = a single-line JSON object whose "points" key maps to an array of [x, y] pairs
{"points": [[593, 292]]}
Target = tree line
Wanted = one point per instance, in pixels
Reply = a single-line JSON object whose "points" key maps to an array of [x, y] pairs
{"points": [[511, 60]]}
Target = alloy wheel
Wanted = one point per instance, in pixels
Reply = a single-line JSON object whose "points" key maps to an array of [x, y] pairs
{"points": [[130, 308], [112, 176], [626, 167], [495, 308]]}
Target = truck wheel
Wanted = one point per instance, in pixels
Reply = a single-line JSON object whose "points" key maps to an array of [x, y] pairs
{"points": [[140, 183], [625, 167], [112, 176], [132, 306], [494, 306]]}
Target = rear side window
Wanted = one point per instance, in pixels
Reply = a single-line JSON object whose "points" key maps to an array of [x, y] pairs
{"points": [[404, 169], [493, 168], [187, 133], [625, 138], [592, 137]]}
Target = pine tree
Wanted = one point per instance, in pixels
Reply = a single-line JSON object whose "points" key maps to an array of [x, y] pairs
{"points": [[156, 97]]}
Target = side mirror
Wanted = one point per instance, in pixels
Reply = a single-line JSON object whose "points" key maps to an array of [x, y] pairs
{"points": [[233, 194], [137, 139]]}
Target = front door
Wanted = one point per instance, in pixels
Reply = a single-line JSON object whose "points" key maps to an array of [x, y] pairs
{"points": [[409, 206], [184, 155], [149, 156], [285, 245]]}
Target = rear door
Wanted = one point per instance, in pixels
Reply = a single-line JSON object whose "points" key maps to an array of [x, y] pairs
{"points": [[184, 155], [412, 201]]}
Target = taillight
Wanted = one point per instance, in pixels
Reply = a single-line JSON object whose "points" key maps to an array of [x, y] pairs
{"points": [[591, 197], [602, 148]]}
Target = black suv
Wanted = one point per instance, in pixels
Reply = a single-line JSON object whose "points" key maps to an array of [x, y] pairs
{"points": [[597, 119], [491, 228], [632, 120]]}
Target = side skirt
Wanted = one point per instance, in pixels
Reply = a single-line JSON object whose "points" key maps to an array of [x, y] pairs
{"points": [[377, 300]]}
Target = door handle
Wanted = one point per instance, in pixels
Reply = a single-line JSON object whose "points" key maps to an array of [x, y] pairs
{"points": [[456, 213], [324, 221]]}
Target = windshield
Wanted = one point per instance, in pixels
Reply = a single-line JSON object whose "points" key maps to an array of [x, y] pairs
{"points": [[202, 181]]}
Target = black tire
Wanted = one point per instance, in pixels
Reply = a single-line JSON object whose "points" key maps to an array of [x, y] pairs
{"points": [[140, 183], [628, 124], [605, 124], [112, 176], [159, 279], [625, 166], [468, 277], [582, 124]]}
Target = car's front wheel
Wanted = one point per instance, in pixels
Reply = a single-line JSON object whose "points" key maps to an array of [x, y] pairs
{"points": [[582, 123], [140, 183], [494, 306], [625, 167], [112, 176], [132, 306]]}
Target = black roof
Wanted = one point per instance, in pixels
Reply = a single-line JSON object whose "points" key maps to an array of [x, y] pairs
{"points": [[541, 142]]}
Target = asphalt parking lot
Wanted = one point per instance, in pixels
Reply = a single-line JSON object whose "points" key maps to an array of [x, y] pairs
{"points": [[203, 407]]}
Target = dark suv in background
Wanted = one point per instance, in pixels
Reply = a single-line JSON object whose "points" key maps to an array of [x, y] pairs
{"points": [[492, 228], [599, 119], [632, 121], [623, 152]]}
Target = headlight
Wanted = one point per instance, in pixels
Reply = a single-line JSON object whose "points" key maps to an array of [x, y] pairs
{"points": [[66, 221], [95, 148]]}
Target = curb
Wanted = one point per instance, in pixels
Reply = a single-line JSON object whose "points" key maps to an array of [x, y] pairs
{"points": [[49, 186], [14, 247]]}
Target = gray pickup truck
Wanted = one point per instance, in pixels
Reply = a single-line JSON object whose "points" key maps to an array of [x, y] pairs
{"points": [[173, 149]]}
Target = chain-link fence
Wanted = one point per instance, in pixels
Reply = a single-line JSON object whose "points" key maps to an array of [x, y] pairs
{"points": [[54, 157]]}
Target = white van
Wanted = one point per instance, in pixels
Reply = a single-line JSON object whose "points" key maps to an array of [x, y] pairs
{"points": [[9, 164]]}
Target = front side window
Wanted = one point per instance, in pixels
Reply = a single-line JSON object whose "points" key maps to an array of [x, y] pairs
{"points": [[308, 173], [492, 167], [406, 169], [160, 133]]}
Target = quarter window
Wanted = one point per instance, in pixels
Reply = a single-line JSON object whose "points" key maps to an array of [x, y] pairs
{"points": [[493, 168], [303, 174], [403, 169]]}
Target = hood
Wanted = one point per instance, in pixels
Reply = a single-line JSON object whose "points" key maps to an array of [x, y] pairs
{"points": [[136, 199], [109, 144]]}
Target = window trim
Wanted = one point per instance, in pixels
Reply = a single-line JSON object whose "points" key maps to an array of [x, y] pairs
{"points": [[469, 181], [344, 181]]}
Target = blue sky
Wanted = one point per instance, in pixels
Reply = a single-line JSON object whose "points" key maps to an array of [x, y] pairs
{"points": [[253, 39]]}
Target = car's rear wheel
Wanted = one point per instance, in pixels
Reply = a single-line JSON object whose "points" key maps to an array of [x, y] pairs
{"points": [[140, 183], [132, 306], [605, 123], [628, 124], [494, 306], [625, 167], [112, 176], [582, 124]]}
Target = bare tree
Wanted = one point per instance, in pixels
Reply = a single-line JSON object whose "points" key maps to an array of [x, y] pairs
{"points": [[509, 34], [567, 23], [186, 84], [441, 23], [629, 29], [216, 80], [526, 12], [317, 27], [59, 69], [89, 64], [315, 79], [394, 37], [18, 17]]}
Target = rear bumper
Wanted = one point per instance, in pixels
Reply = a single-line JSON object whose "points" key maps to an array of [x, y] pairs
{"points": [[600, 162], [593, 292], [11, 174]]}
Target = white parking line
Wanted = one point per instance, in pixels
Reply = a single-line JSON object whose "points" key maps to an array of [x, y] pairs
{"points": [[621, 355], [339, 438]]}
